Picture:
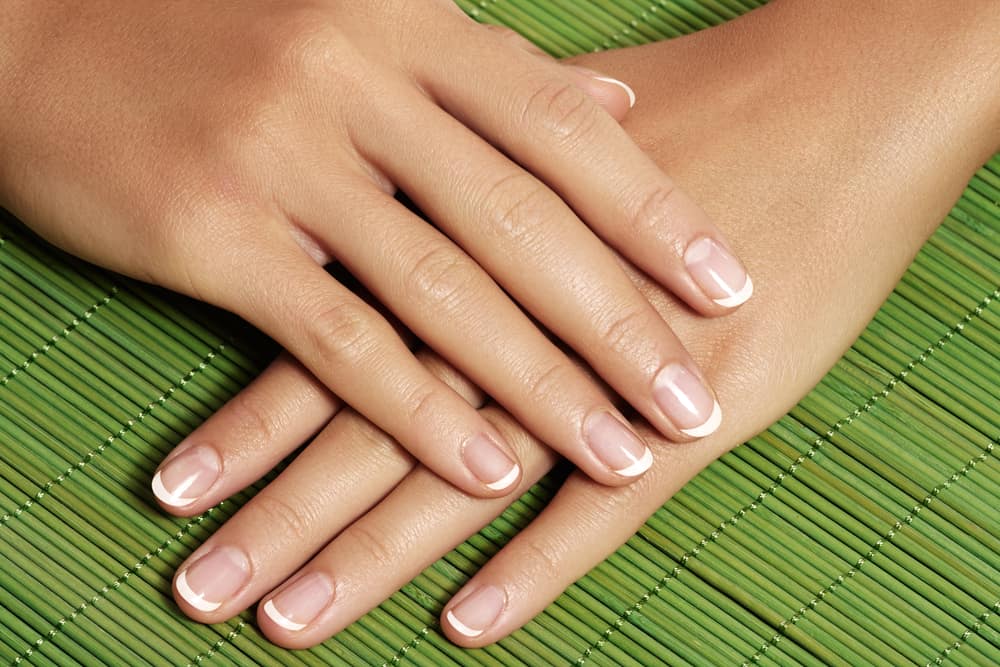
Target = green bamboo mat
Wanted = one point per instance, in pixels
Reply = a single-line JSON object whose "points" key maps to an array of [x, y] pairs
{"points": [[860, 529]]}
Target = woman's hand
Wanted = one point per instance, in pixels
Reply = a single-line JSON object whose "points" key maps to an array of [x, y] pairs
{"points": [[746, 115], [229, 151]]}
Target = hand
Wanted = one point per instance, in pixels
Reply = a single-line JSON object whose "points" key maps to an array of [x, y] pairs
{"points": [[230, 151], [751, 173]]}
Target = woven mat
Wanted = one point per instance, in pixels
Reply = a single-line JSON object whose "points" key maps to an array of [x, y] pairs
{"points": [[863, 528]]}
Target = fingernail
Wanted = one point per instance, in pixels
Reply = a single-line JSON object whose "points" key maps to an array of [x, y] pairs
{"points": [[186, 477], [476, 613], [616, 445], [720, 275], [686, 401], [490, 464], [628, 88], [213, 578], [296, 606]]}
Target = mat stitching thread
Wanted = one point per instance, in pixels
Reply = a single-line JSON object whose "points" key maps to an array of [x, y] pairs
{"points": [[67, 330], [870, 555], [113, 586], [122, 432], [228, 639], [80, 465], [611, 41], [412, 644], [791, 470], [974, 627]]}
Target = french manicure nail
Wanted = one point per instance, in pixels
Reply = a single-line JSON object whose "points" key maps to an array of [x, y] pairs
{"points": [[720, 275], [212, 579], [489, 463], [616, 445], [628, 88], [476, 613], [686, 401], [298, 605], [187, 476]]}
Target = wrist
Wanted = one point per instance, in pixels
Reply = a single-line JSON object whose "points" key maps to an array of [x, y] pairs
{"points": [[934, 68]]}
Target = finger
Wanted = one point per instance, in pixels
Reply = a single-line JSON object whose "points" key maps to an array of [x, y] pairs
{"points": [[386, 548], [554, 266], [559, 547], [528, 109], [348, 468], [357, 354], [614, 96], [282, 408], [447, 300]]}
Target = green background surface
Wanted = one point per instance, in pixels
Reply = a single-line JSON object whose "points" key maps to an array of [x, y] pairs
{"points": [[860, 529]]}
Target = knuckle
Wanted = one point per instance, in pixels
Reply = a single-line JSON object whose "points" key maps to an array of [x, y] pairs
{"points": [[515, 207], [283, 517], [302, 44], [257, 422], [649, 213], [441, 276], [422, 405], [618, 332], [541, 559], [304, 47], [564, 112], [551, 381], [379, 548], [341, 333]]}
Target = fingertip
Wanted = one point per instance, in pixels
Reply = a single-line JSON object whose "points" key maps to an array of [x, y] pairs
{"points": [[469, 620], [183, 480], [718, 273], [623, 455], [496, 469], [614, 95]]}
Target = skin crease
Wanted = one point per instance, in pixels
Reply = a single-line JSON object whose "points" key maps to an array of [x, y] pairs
{"points": [[826, 163], [227, 150]]}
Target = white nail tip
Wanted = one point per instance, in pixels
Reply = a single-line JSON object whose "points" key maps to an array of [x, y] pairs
{"points": [[166, 497], [506, 480], [462, 627], [196, 600], [279, 618], [710, 426], [739, 298], [639, 467], [625, 86]]}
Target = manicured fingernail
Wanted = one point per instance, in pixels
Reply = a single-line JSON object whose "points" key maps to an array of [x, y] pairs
{"points": [[720, 275], [628, 88], [296, 606], [490, 464], [686, 401], [212, 579], [187, 476], [616, 445], [476, 613]]}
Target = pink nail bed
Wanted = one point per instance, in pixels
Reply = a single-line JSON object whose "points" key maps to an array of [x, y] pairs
{"points": [[477, 612], [719, 275], [299, 604], [213, 579], [187, 476], [616, 445], [490, 464], [688, 404]]}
